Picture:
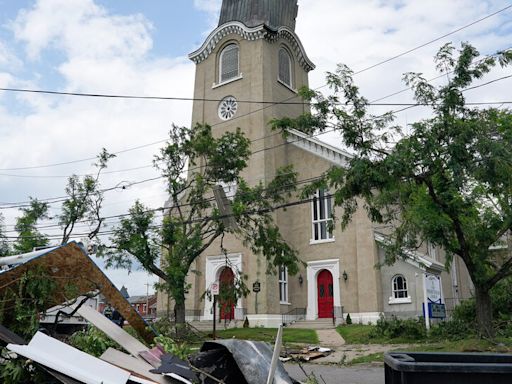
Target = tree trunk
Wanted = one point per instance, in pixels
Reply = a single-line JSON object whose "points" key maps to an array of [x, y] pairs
{"points": [[179, 314], [484, 312]]}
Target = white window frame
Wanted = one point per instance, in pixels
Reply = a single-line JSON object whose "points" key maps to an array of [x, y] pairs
{"points": [[283, 285], [318, 222], [399, 295], [431, 251], [290, 69], [227, 48]]}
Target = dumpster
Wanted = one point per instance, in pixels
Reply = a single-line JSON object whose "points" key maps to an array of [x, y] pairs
{"points": [[449, 368]]}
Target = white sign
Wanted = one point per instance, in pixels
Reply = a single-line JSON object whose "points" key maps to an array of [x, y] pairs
{"points": [[433, 288], [214, 288]]}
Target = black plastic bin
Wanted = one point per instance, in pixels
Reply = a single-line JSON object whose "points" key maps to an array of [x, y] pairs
{"points": [[447, 368]]}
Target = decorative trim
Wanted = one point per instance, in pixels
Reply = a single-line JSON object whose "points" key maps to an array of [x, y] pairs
{"points": [[251, 34], [214, 265], [287, 86], [217, 85], [314, 242], [414, 258], [365, 317], [402, 300], [312, 270], [317, 147]]}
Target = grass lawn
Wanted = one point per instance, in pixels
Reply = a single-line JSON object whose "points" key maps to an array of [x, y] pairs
{"points": [[360, 334], [290, 335]]}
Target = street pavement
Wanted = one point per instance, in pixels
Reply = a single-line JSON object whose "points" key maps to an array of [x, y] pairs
{"points": [[333, 374]]}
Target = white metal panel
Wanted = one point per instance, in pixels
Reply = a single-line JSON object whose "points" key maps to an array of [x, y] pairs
{"points": [[70, 361], [116, 333]]}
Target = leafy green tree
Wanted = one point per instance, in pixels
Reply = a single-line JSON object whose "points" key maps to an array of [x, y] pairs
{"points": [[195, 163], [448, 181], [29, 236], [4, 245], [84, 200]]}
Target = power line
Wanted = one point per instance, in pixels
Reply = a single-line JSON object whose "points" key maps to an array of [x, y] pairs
{"points": [[130, 184], [432, 41], [159, 209], [181, 98], [271, 103], [197, 220], [501, 103]]}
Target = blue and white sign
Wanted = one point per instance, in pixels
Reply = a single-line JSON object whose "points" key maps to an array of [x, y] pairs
{"points": [[433, 288]]}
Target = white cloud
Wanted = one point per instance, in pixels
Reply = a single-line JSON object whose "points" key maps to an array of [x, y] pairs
{"points": [[212, 6], [100, 52], [81, 28], [97, 52]]}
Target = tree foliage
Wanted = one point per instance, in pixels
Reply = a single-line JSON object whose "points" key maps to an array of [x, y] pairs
{"points": [[29, 237], [4, 245], [194, 163], [448, 181]]}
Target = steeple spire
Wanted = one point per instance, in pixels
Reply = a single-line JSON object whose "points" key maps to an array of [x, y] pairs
{"points": [[272, 13]]}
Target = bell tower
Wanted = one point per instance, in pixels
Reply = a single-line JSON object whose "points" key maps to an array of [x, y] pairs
{"points": [[252, 60], [248, 71]]}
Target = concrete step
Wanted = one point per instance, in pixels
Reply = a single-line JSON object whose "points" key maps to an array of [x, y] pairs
{"points": [[313, 324]]}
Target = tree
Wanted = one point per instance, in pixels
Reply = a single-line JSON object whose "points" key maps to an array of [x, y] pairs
{"points": [[4, 245], [447, 182], [29, 236], [84, 200], [195, 163]]}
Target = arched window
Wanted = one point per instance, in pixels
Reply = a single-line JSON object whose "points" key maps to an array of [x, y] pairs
{"points": [[399, 287], [285, 67], [229, 63]]}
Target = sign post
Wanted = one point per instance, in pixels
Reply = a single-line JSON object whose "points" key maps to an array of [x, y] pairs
{"points": [[214, 290], [256, 287], [433, 306]]}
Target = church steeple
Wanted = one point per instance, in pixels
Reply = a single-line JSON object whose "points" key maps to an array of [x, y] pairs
{"points": [[271, 13]]}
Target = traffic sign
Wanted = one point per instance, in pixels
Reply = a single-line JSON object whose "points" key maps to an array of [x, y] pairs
{"points": [[214, 288]]}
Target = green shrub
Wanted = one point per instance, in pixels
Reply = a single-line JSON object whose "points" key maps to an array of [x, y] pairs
{"points": [[179, 349], [92, 341], [398, 328], [452, 330], [348, 320]]}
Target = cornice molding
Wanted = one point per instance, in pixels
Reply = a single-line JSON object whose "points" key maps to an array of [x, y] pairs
{"points": [[414, 258], [254, 33], [318, 148]]}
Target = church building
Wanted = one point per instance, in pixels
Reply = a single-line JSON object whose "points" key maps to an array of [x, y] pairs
{"points": [[255, 54]]}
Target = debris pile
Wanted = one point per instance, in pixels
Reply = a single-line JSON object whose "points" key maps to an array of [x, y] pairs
{"points": [[304, 354], [221, 361]]}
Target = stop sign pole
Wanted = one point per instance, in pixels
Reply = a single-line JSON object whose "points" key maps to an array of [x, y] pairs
{"points": [[214, 289]]}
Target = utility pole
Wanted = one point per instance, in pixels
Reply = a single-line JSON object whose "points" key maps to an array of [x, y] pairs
{"points": [[147, 298]]}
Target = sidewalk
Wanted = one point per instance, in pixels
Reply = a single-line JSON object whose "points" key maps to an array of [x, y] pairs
{"points": [[345, 353]]}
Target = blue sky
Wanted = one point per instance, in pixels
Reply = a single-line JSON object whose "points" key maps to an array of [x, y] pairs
{"points": [[141, 47]]}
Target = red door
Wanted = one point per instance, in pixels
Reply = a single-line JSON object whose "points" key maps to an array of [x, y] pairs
{"points": [[226, 303], [325, 294]]}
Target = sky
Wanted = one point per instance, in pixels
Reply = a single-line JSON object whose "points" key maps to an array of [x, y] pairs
{"points": [[140, 48]]}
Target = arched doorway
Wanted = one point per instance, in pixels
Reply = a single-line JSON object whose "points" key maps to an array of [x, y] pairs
{"points": [[226, 294], [325, 294]]}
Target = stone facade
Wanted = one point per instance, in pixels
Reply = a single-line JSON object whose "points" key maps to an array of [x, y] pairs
{"points": [[350, 255]]}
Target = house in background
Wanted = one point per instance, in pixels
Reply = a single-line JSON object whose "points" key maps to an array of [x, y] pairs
{"points": [[255, 54], [144, 305]]}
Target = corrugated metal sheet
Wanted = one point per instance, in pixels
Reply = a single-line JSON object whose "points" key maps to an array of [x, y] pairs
{"points": [[272, 13]]}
